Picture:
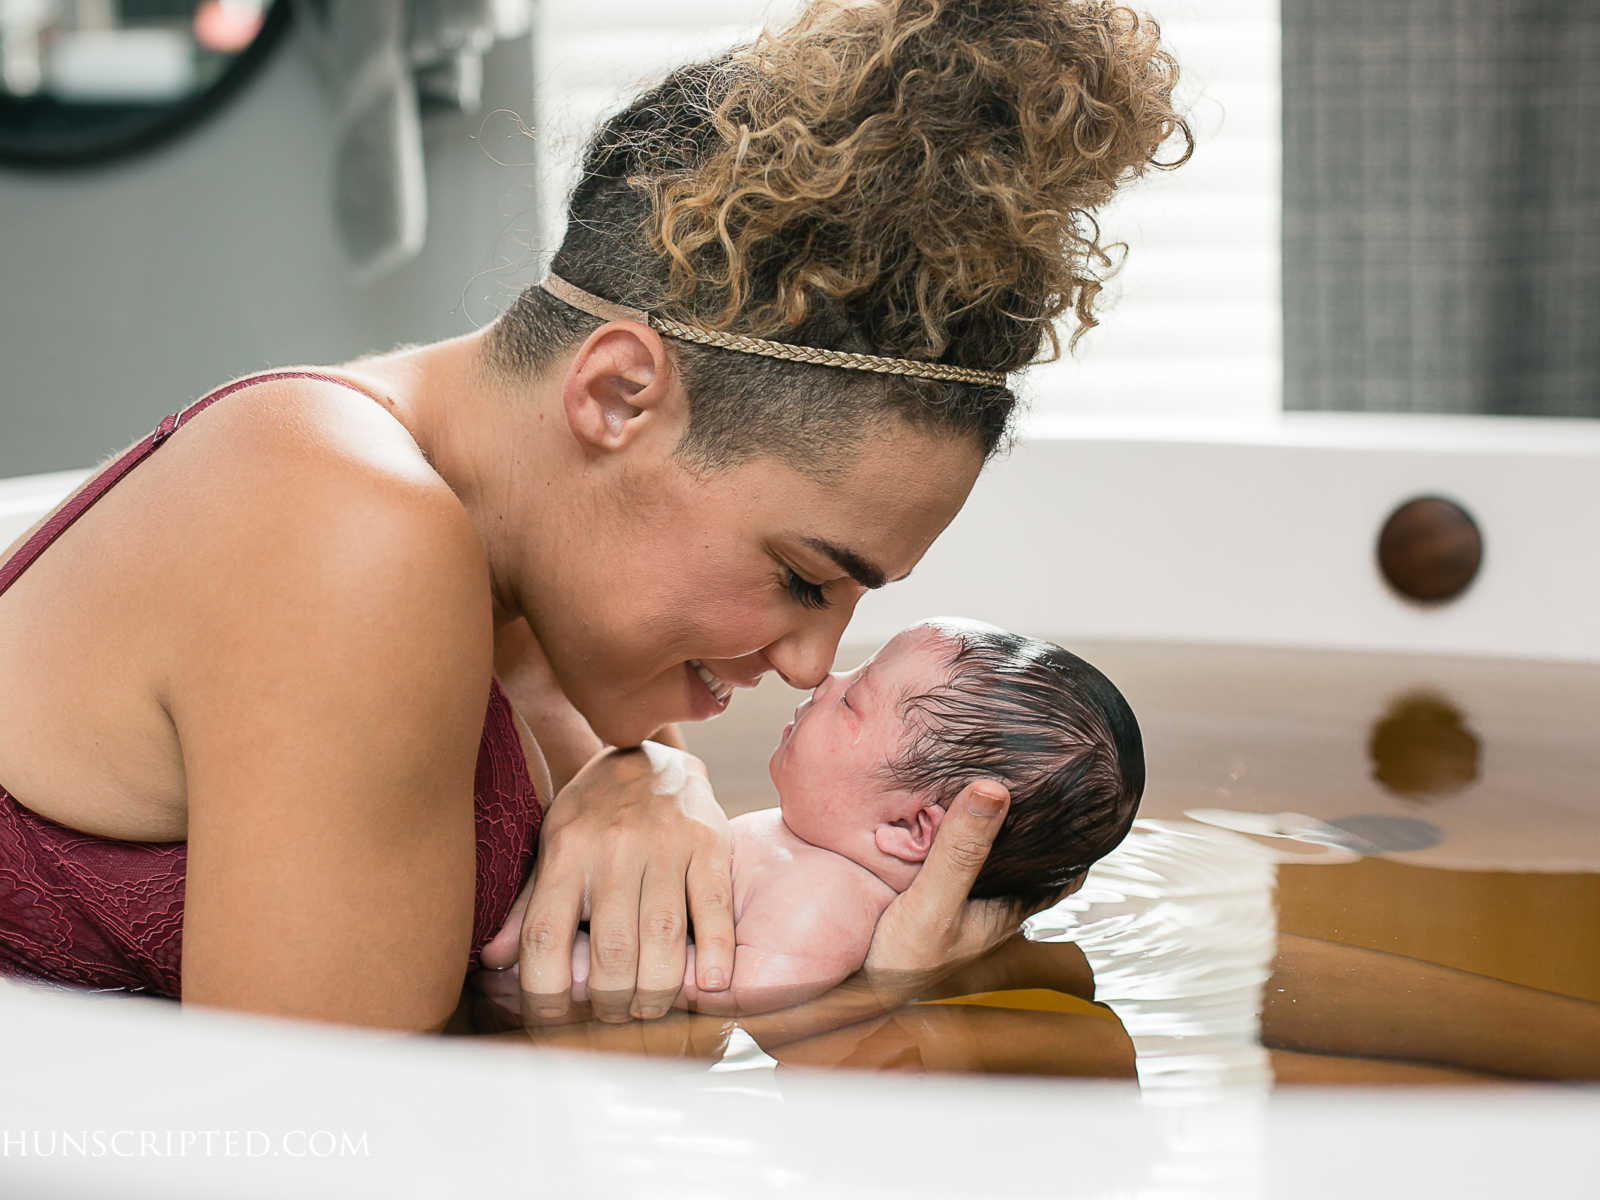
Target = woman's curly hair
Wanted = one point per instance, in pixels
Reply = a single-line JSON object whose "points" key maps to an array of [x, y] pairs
{"points": [[912, 178], [937, 157]]}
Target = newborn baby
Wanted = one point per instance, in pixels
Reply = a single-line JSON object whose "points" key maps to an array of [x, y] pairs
{"points": [[864, 774]]}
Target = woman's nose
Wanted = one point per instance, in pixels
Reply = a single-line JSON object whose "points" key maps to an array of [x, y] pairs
{"points": [[804, 658], [804, 671], [832, 677]]}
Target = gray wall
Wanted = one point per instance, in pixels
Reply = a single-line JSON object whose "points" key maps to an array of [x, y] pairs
{"points": [[127, 292]]}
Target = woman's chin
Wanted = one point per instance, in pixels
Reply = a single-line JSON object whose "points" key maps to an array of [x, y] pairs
{"points": [[624, 732]]}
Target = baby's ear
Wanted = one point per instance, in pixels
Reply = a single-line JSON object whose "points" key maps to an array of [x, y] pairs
{"points": [[910, 838]]}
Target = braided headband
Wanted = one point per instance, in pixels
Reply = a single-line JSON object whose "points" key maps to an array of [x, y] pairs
{"points": [[585, 302]]}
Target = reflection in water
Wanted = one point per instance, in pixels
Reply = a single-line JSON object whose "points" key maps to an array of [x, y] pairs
{"points": [[1378, 833], [1421, 748], [1214, 993], [1220, 995]]}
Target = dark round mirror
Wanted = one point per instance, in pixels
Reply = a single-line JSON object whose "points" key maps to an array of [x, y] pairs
{"points": [[85, 82]]}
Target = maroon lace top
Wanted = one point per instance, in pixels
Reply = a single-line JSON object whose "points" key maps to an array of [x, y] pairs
{"points": [[101, 913]]}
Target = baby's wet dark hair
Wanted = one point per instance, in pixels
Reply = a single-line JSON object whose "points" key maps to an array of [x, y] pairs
{"points": [[1055, 730]]}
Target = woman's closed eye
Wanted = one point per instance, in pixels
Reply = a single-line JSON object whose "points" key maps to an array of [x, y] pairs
{"points": [[805, 592]]}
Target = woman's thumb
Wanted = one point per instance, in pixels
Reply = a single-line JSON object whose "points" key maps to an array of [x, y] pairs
{"points": [[967, 833]]}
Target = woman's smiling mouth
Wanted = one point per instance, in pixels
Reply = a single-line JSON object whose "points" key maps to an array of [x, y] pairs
{"points": [[721, 690]]}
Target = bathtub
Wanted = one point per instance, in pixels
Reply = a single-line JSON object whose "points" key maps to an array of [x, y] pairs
{"points": [[1250, 541]]}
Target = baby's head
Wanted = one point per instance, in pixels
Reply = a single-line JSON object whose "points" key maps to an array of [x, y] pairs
{"points": [[876, 755]]}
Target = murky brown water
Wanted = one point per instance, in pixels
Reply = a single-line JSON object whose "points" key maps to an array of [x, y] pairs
{"points": [[1354, 868]]}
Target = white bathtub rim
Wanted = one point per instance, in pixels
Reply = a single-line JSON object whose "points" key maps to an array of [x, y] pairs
{"points": [[462, 1113]]}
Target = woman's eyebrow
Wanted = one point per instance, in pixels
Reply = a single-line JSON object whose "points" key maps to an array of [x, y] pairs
{"points": [[851, 563]]}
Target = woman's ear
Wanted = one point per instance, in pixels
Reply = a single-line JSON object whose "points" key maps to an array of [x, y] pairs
{"points": [[620, 373], [911, 838]]}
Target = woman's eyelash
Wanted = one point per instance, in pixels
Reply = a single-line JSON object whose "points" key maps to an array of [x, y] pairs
{"points": [[804, 591]]}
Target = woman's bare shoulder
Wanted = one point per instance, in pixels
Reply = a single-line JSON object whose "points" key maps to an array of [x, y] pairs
{"points": [[290, 465], [313, 499], [294, 422]]}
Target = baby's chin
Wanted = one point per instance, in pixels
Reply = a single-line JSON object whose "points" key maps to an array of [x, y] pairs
{"points": [[777, 778], [773, 772]]}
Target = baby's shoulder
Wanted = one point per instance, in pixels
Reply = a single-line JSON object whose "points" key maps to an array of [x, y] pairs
{"points": [[788, 886], [766, 849]]}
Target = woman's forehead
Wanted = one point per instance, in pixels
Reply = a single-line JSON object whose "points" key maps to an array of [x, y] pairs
{"points": [[898, 462], [873, 526]]}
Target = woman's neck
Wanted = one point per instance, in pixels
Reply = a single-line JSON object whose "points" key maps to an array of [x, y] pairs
{"points": [[484, 436]]}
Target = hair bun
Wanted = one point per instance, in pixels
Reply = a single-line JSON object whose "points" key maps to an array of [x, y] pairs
{"points": [[932, 165]]}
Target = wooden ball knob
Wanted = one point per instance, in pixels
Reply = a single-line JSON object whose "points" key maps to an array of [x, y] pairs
{"points": [[1430, 549]]}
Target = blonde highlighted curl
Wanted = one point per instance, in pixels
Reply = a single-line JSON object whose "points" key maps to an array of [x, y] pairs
{"points": [[942, 158]]}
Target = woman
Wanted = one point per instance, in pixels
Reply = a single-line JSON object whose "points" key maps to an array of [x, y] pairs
{"points": [[613, 494]]}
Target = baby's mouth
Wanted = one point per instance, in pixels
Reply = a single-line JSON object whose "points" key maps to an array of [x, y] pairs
{"points": [[720, 688]]}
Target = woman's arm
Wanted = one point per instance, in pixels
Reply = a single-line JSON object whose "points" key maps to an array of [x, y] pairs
{"points": [[330, 707], [524, 672], [1329, 998]]}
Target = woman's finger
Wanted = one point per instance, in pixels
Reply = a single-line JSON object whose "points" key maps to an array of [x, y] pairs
{"points": [[663, 928], [554, 909], [495, 1000], [504, 949], [710, 889], [614, 940]]}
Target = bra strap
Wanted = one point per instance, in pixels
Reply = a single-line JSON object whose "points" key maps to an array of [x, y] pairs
{"points": [[102, 483]]}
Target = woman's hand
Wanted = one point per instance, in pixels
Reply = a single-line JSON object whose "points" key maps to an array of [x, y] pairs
{"points": [[634, 844], [931, 928]]}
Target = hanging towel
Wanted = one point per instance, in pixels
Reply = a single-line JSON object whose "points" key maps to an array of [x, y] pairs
{"points": [[384, 63]]}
